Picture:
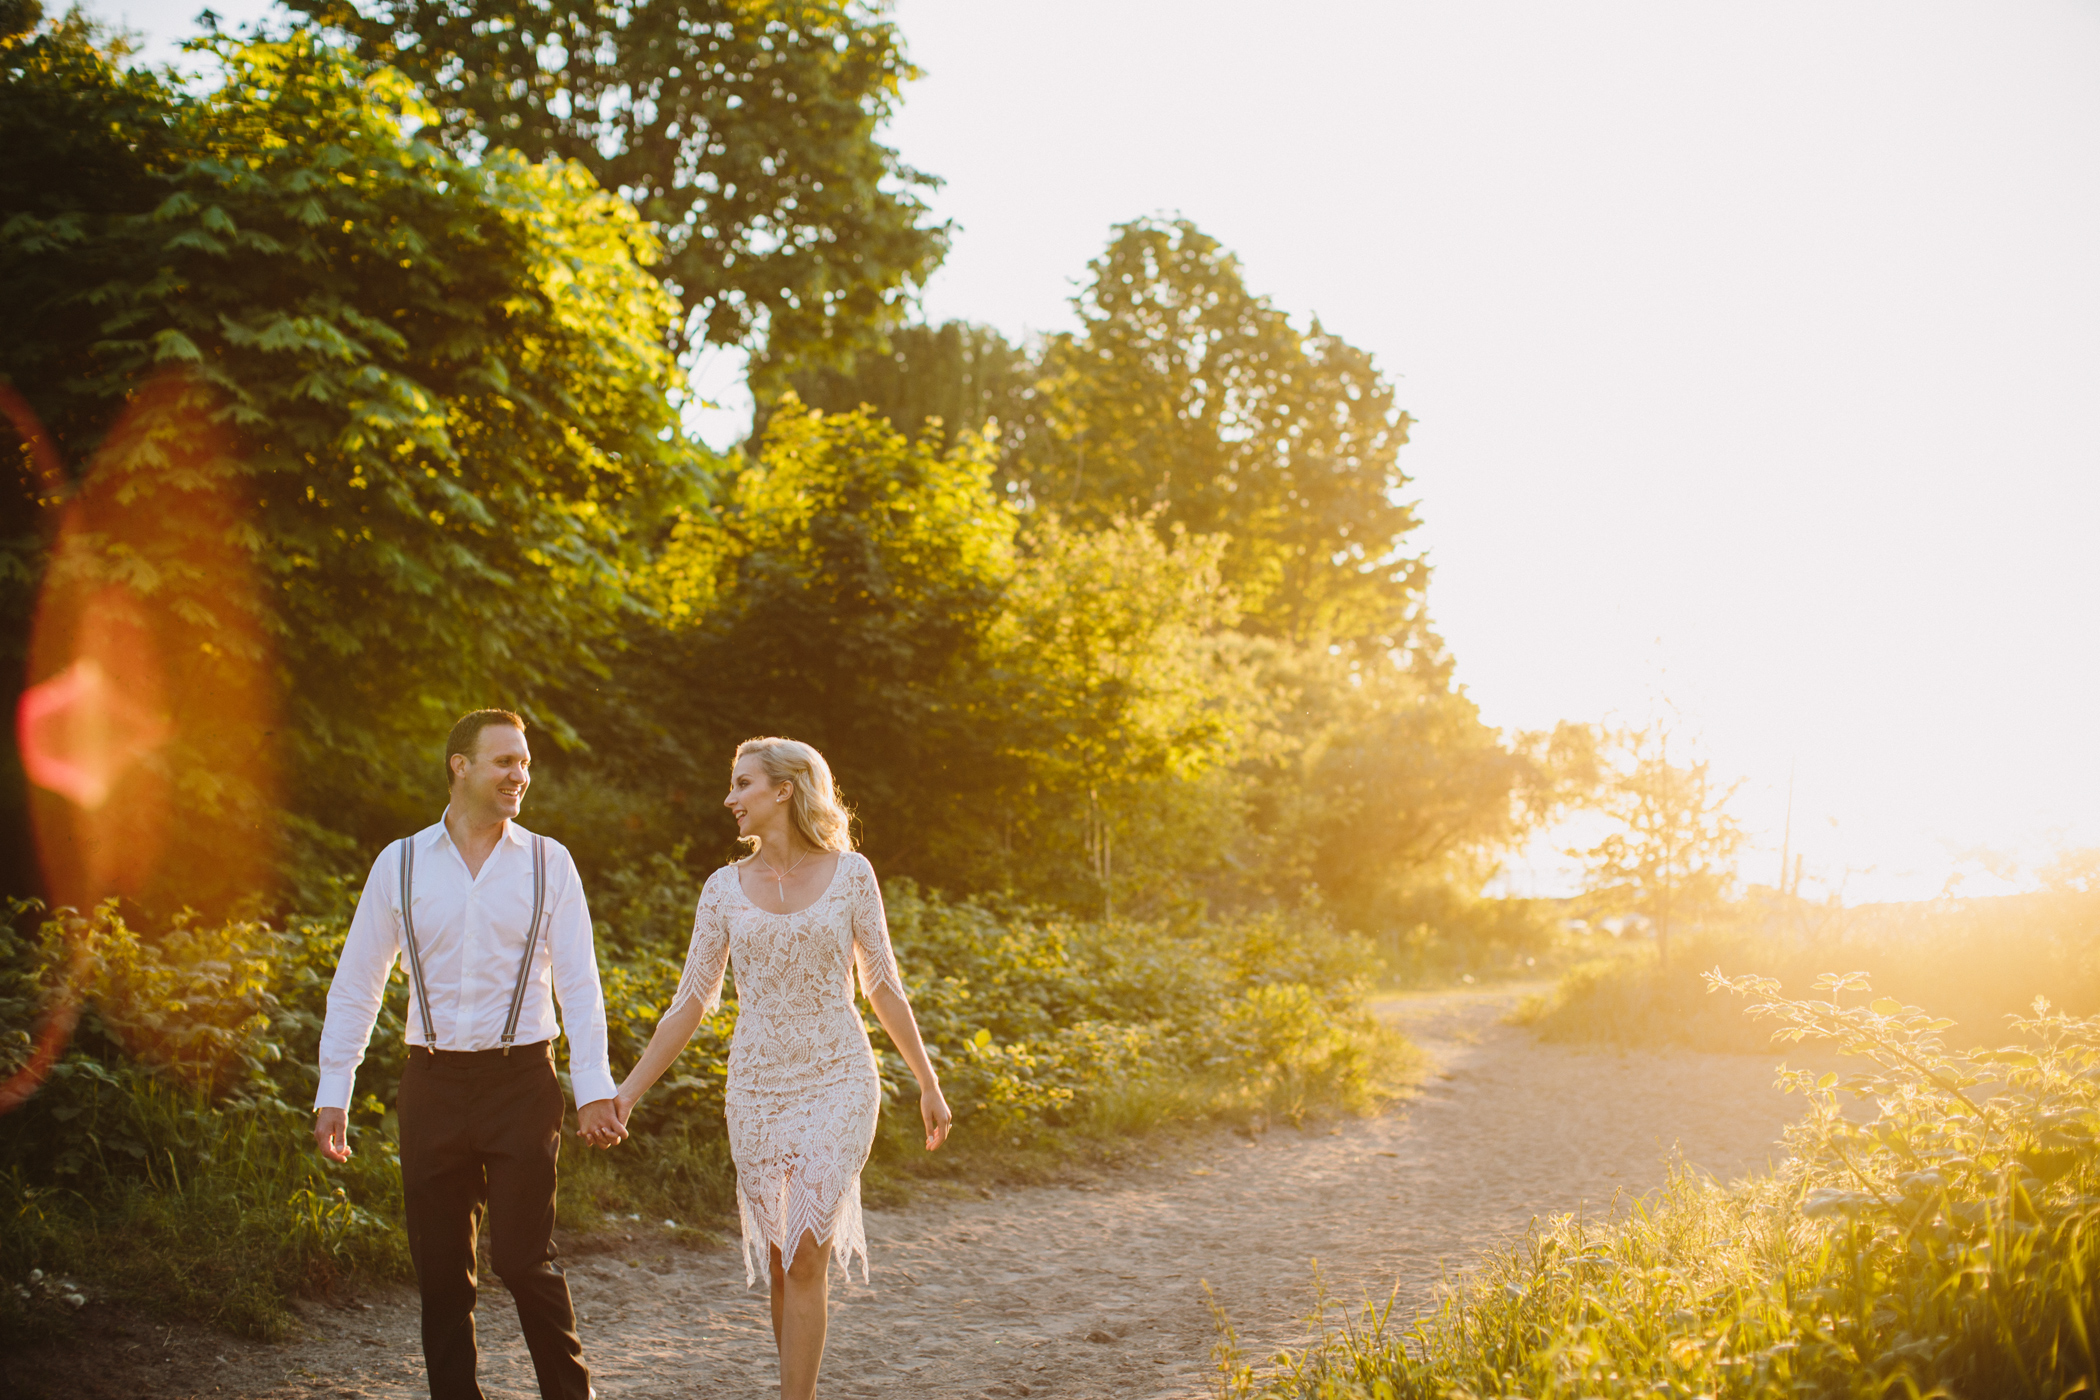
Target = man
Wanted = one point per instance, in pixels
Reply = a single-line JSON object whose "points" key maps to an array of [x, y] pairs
{"points": [[496, 922]]}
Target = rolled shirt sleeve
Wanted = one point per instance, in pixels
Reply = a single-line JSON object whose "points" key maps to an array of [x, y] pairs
{"points": [[369, 951], [575, 967]]}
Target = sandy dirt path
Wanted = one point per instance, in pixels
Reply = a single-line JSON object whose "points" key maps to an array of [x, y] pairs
{"points": [[1096, 1291]]}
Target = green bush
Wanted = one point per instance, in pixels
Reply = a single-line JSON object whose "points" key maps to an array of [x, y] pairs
{"points": [[1947, 1246], [1055, 1031], [167, 1155]]}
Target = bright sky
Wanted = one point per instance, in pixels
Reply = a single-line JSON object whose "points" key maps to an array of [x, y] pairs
{"points": [[1754, 349]]}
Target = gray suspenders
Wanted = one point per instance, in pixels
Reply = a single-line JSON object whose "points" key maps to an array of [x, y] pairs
{"points": [[532, 939], [408, 928], [407, 865]]}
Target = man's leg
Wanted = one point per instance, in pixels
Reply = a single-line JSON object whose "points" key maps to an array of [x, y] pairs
{"points": [[443, 1188], [521, 1130]]}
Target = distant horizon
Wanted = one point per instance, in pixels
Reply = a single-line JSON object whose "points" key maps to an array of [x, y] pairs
{"points": [[1749, 352]]}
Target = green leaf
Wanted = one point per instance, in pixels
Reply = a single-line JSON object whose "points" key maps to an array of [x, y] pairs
{"points": [[172, 344], [1886, 1006]]}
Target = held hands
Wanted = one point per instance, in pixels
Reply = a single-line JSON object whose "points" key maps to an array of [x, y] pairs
{"points": [[598, 1124], [933, 1108], [332, 1133]]}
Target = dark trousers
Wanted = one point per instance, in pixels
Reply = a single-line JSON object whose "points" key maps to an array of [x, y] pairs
{"points": [[480, 1131]]}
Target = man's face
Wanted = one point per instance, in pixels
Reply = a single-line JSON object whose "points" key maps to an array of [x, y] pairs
{"points": [[490, 784]]}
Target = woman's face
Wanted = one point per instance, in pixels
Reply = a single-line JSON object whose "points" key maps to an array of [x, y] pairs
{"points": [[758, 804]]}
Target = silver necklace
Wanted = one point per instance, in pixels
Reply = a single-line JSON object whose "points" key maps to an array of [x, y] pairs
{"points": [[780, 877]]}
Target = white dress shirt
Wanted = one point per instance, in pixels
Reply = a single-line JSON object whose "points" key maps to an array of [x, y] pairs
{"points": [[470, 930]]}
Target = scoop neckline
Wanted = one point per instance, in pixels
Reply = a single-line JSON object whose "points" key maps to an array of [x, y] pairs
{"points": [[736, 875]]}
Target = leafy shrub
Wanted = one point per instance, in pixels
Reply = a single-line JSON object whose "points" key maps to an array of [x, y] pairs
{"points": [[1050, 1032], [160, 1156], [1946, 1246], [167, 1155]]}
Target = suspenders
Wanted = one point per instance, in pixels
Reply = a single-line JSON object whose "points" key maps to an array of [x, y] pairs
{"points": [[532, 939], [407, 865]]}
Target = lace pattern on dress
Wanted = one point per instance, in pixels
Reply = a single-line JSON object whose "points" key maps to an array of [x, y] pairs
{"points": [[803, 1091]]}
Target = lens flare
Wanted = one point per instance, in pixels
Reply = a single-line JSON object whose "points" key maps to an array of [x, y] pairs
{"points": [[80, 732], [151, 683], [89, 737]]}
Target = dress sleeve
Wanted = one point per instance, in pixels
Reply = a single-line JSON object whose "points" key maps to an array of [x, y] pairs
{"points": [[871, 932], [708, 957]]}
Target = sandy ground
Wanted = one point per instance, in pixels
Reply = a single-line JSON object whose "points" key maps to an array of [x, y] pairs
{"points": [[1097, 1291]]}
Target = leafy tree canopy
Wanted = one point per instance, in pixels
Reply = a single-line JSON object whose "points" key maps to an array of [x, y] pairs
{"points": [[949, 379], [426, 400], [1187, 395], [744, 131], [372, 428], [1190, 401], [835, 594]]}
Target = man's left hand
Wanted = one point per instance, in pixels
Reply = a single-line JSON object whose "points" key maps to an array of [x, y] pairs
{"points": [[598, 1125]]}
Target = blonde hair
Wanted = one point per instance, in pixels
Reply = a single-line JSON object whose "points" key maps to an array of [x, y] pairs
{"points": [[819, 817]]}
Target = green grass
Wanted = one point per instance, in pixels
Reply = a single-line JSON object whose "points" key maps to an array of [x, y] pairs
{"points": [[1950, 1245], [216, 1215]]}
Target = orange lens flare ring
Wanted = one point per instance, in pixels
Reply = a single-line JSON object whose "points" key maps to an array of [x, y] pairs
{"points": [[131, 696], [51, 1037], [33, 717]]}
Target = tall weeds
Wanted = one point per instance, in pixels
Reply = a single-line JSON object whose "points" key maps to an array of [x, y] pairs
{"points": [[219, 1213], [1948, 1245], [1975, 961]]}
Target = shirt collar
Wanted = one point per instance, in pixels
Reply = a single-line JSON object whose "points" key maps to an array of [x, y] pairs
{"points": [[441, 835]]}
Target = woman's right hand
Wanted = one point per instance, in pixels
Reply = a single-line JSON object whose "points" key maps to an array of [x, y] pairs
{"points": [[624, 1102], [933, 1110]]}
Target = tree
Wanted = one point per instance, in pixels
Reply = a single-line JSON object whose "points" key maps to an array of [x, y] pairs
{"points": [[955, 378], [1111, 685], [1189, 400], [836, 594], [1671, 856], [425, 402], [744, 131], [1379, 786], [1046, 716]]}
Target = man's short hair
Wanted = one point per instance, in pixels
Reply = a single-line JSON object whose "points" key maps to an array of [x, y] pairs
{"points": [[466, 735]]}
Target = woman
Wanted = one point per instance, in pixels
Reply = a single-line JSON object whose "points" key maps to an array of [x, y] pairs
{"points": [[799, 914]]}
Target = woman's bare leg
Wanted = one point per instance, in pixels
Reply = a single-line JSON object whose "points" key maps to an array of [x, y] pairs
{"points": [[801, 1314], [777, 1277]]}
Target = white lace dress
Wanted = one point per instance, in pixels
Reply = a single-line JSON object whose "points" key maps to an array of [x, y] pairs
{"points": [[802, 1093]]}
